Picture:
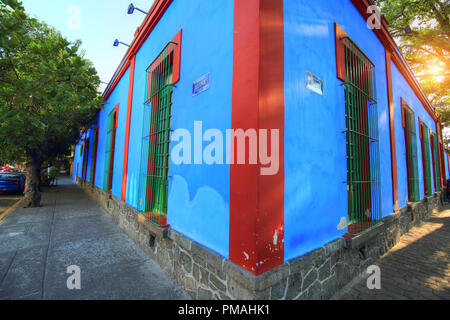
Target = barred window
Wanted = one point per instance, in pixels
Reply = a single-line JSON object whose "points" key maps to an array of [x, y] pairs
{"points": [[409, 124], [154, 171], [363, 155], [94, 155], [425, 142], [109, 150]]}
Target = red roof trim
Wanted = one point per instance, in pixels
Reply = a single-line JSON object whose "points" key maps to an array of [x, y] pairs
{"points": [[386, 39]]}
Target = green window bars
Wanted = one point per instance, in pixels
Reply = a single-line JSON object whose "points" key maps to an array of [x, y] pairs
{"points": [[85, 160], [109, 151], [94, 155], [437, 170], [425, 135], [154, 172], [363, 155], [409, 124]]}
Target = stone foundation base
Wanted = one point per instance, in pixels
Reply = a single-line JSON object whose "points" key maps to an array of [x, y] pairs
{"points": [[317, 275]]}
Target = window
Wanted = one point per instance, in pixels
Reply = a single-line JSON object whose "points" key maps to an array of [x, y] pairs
{"points": [[85, 160], [154, 172], [441, 159], [94, 155], [363, 156], [109, 150], [435, 156], [425, 142], [409, 124]]}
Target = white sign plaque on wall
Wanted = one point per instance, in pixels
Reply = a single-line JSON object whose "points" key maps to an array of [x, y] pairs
{"points": [[313, 83]]}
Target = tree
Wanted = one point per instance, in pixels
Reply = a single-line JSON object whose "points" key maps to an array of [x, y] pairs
{"points": [[48, 92], [422, 31]]}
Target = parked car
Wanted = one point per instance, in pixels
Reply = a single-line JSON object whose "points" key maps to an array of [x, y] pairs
{"points": [[12, 182]]}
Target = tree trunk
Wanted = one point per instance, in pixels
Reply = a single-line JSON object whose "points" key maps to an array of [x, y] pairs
{"points": [[32, 194]]}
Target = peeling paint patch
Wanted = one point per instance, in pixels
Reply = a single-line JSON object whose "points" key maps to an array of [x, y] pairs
{"points": [[246, 255], [275, 238], [343, 224]]}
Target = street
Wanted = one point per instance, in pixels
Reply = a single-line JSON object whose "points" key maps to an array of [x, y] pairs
{"points": [[7, 200]]}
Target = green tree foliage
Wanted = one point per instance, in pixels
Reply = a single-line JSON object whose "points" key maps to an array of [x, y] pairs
{"points": [[48, 93], [422, 31]]}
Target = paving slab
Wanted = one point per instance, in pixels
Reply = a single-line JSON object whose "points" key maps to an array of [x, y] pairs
{"points": [[25, 275]]}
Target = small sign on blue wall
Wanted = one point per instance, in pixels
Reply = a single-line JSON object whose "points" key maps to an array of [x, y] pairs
{"points": [[201, 85], [314, 83]]}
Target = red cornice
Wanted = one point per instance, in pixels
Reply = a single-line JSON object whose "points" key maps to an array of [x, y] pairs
{"points": [[154, 15], [386, 39]]}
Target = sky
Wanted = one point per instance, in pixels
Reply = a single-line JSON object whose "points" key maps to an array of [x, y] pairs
{"points": [[97, 23]]}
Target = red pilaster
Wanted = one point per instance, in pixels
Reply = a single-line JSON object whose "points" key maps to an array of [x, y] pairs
{"points": [[127, 129], [392, 131], [257, 201]]}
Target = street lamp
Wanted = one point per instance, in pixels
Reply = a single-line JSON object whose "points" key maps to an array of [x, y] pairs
{"points": [[131, 9], [117, 42]]}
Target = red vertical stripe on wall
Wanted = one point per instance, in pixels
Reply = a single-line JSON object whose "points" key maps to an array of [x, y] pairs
{"points": [[271, 117], [392, 131], [245, 103], [257, 201], [127, 129]]}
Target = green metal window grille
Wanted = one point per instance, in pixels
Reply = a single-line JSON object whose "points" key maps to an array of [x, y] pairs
{"points": [[412, 160], [363, 155], [94, 154], [154, 172], [85, 160], [427, 155], [109, 151], [436, 161]]}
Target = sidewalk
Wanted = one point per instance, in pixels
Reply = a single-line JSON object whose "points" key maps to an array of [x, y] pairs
{"points": [[418, 268], [37, 245]]}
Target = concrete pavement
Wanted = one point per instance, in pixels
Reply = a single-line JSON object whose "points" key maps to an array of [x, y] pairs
{"points": [[417, 268], [38, 245]]}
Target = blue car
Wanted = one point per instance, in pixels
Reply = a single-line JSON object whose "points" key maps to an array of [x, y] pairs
{"points": [[10, 182]]}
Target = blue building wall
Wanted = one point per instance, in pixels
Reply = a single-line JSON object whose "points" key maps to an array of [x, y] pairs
{"points": [[315, 145], [118, 97], [198, 204], [90, 134], [76, 160], [447, 174], [315, 142], [401, 89]]}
